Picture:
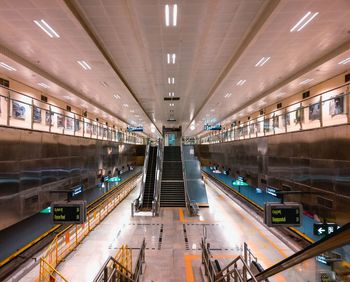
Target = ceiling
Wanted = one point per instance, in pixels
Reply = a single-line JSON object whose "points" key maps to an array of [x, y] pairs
{"points": [[217, 43]]}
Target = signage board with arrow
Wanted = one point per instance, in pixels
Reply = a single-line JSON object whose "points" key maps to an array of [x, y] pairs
{"points": [[325, 229]]}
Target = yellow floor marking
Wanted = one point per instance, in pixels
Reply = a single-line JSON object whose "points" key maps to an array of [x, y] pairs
{"points": [[182, 218], [188, 264]]}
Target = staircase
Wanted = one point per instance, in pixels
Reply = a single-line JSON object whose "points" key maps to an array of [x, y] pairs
{"points": [[172, 192], [150, 178]]}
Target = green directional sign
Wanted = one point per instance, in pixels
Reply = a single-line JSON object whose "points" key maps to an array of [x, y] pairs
{"points": [[324, 229], [46, 210], [114, 179]]}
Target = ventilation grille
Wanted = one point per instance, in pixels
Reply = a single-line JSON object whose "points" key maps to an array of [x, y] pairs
{"points": [[306, 94]]}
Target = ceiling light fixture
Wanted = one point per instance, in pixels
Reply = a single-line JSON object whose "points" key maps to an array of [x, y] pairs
{"points": [[116, 96], [262, 61], [125, 105], [6, 66], [171, 105], [168, 14], [308, 17], [43, 85], [47, 28], [84, 65], [171, 80], [132, 111], [171, 57], [306, 81], [345, 61], [104, 83], [228, 95], [241, 82], [212, 110]]}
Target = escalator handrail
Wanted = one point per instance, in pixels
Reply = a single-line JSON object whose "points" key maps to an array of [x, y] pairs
{"points": [[144, 175], [339, 238], [157, 186], [187, 198]]}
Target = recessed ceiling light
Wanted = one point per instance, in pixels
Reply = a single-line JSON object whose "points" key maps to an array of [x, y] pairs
{"points": [[262, 61], [116, 96], [192, 127], [171, 58], [125, 105], [345, 61], [308, 17], [168, 14], [171, 80], [241, 82], [84, 65], [47, 28], [6, 66], [43, 85], [306, 81]]}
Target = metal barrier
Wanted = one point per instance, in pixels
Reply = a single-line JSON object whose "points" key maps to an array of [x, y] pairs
{"points": [[238, 269], [67, 240], [119, 269]]}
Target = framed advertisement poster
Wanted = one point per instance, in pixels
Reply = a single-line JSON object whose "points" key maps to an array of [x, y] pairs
{"points": [[36, 114], [299, 115], [18, 110], [336, 105], [76, 124], [88, 128], [275, 121], [315, 111], [60, 120], [49, 117], [69, 123]]}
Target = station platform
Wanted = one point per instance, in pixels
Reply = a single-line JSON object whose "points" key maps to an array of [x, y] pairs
{"points": [[173, 242], [24, 233]]}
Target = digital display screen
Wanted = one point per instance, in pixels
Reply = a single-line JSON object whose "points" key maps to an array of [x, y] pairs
{"points": [[64, 213], [285, 216]]}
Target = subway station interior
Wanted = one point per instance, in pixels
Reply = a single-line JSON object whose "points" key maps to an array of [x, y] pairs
{"points": [[174, 140]]}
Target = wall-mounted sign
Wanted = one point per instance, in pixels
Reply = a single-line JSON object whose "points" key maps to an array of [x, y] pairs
{"points": [[73, 212], [287, 214], [240, 181], [321, 229], [105, 179], [273, 191], [135, 128], [77, 190], [212, 127], [114, 179]]}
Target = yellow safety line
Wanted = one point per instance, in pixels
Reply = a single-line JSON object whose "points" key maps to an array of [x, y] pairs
{"points": [[259, 207], [19, 251]]}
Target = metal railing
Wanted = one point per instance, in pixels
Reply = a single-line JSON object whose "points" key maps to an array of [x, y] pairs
{"points": [[329, 108], [158, 182], [20, 110], [237, 269], [115, 270], [68, 239], [139, 201], [187, 197]]}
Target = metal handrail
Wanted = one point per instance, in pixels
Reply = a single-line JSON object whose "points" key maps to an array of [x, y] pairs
{"points": [[228, 270], [104, 275], [159, 171], [139, 200], [187, 198]]}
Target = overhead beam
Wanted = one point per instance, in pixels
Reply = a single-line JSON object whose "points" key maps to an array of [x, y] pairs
{"points": [[269, 8], [77, 13]]}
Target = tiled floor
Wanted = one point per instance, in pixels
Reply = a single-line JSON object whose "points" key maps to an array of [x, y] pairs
{"points": [[173, 242]]}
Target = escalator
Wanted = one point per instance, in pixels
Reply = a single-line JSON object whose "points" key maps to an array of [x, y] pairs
{"points": [[148, 192]]}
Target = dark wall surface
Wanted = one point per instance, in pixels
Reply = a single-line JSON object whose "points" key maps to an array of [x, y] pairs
{"points": [[34, 163], [312, 161]]}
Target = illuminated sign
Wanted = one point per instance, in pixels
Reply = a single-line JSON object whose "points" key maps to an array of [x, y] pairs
{"points": [[287, 214], [135, 129], [46, 210], [105, 179], [212, 127], [273, 191], [77, 190], [114, 179], [240, 181], [325, 228], [69, 212]]}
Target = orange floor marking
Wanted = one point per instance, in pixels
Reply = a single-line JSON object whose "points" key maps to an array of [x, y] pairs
{"points": [[182, 218]]}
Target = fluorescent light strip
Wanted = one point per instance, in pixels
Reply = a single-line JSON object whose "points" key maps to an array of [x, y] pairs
{"points": [[265, 61], [125, 105], [82, 65], [168, 58], [47, 29], [306, 81], [86, 64], [167, 15], [300, 21], [241, 82], [309, 20], [6, 66], [174, 15], [43, 85], [173, 80], [116, 96], [345, 61], [228, 95], [173, 58]]}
